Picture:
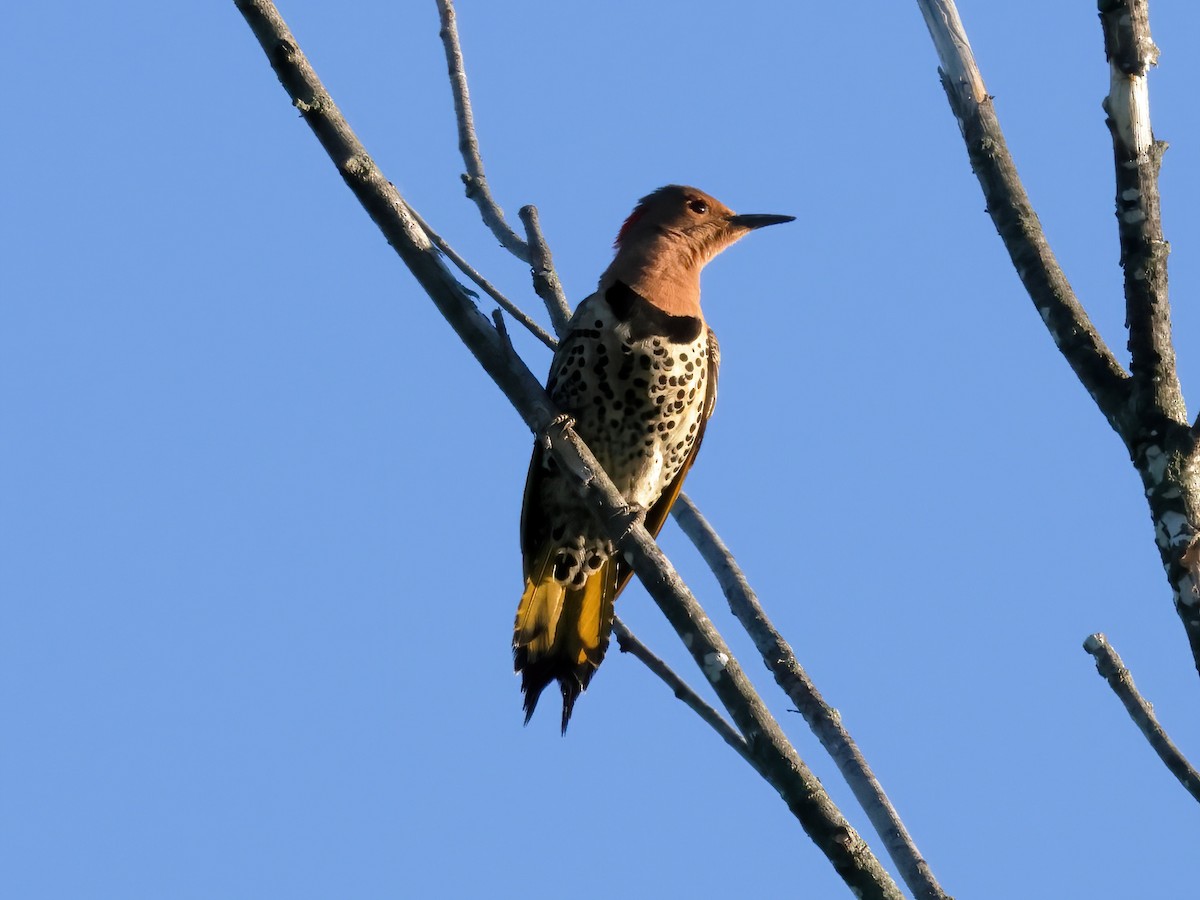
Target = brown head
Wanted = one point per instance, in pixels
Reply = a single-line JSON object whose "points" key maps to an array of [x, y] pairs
{"points": [[668, 238]]}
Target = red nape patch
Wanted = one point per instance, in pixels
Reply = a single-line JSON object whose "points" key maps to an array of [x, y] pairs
{"points": [[629, 223]]}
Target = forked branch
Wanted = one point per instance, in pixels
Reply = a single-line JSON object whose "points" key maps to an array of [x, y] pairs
{"points": [[1146, 407], [1017, 223]]}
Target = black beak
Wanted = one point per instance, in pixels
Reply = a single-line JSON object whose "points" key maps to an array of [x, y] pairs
{"points": [[758, 220]]}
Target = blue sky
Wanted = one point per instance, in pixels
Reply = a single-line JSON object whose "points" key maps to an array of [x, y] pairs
{"points": [[258, 556]]}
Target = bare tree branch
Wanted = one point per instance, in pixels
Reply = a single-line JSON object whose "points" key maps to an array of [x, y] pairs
{"points": [[824, 720], [1131, 53], [486, 286], [1010, 209], [1112, 668], [545, 279], [627, 642], [777, 760], [468, 144], [1146, 409], [1162, 445]]}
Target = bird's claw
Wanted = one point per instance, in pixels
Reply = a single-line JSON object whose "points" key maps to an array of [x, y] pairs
{"points": [[562, 421], [628, 517]]}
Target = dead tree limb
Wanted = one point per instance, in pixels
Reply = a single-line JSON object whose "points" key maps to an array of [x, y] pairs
{"points": [[1013, 215], [1144, 406], [1138, 157], [1163, 447]]}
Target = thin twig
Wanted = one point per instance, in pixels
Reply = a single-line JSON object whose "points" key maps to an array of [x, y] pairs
{"points": [[486, 286], [1013, 215], [824, 720], [778, 761], [545, 279], [1112, 668], [627, 642], [468, 142]]}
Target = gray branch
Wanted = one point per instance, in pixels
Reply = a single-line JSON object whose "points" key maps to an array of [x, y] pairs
{"points": [[627, 642], [1163, 447], [824, 720], [1013, 215], [468, 143], [486, 286], [1138, 156], [1146, 408], [1112, 668], [776, 759], [545, 279]]}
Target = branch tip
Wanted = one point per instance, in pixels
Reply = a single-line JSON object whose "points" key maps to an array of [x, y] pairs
{"points": [[1112, 668], [468, 142]]}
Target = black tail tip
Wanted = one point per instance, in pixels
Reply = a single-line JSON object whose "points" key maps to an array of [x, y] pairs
{"points": [[533, 683], [571, 689]]}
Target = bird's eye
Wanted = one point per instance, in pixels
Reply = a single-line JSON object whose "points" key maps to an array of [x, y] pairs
{"points": [[698, 206]]}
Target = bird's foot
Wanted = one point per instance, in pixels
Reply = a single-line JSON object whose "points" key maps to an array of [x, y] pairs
{"points": [[627, 518], [562, 421]]}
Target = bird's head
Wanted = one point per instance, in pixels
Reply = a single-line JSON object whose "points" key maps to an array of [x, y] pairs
{"points": [[670, 236], [687, 224]]}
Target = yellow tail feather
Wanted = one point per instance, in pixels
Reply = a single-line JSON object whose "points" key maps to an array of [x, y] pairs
{"points": [[562, 632]]}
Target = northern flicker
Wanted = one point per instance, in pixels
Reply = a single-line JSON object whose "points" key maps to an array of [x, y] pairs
{"points": [[636, 369]]}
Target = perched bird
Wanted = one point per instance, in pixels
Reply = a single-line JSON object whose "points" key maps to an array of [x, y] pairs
{"points": [[636, 369]]}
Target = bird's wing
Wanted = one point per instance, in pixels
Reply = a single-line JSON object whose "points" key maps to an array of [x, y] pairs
{"points": [[534, 527]]}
